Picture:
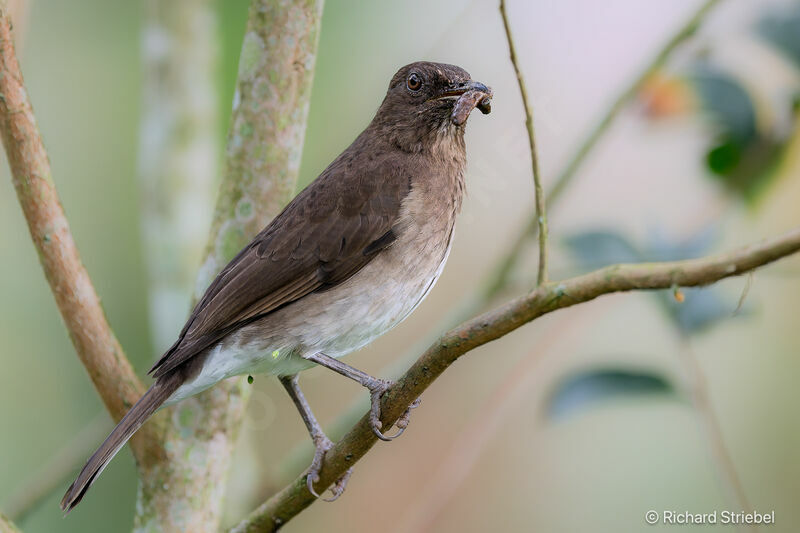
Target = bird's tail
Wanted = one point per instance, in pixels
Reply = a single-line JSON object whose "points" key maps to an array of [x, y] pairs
{"points": [[130, 423]]}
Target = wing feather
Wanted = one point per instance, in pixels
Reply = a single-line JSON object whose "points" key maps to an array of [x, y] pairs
{"points": [[326, 234]]}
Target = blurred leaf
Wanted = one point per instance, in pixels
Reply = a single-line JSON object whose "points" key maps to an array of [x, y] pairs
{"points": [[661, 248], [701, 308], [724, 158], [727, 101], [596, 249], [662, 95], [782, 30], [587, 389], [742, 158]]}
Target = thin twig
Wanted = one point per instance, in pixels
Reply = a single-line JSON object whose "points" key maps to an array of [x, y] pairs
{"points": [[745, 291], [499, 279], [710, 423], [494, 324], [541, 209], [94, 341]]}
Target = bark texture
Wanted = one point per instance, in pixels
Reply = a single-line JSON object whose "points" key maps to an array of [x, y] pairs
{"points": [[185, 491], [77, 301], [179, 148]]}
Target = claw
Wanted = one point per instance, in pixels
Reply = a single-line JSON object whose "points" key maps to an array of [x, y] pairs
{"points": [[339, 485], [375, 412], [322, 445]]}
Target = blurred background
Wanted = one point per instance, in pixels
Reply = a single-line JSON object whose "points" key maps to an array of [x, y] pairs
{"points": [[581, 421]]}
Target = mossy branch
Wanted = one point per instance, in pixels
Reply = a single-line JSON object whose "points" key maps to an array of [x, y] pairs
{"points": [[498, 322], [265, 143]]}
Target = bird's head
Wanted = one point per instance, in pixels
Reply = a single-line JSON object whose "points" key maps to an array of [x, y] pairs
{"points": [[429, 102]]}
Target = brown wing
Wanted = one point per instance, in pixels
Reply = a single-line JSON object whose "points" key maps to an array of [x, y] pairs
{"points": [[325, 235]]}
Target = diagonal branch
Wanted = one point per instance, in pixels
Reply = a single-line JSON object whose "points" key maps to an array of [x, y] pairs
{"points": [[498, 322], [94, 341], [541, 208], [499, 280]]}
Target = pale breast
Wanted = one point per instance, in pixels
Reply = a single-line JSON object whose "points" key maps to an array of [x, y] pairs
{"points": [[340, 320], [379, 296]]}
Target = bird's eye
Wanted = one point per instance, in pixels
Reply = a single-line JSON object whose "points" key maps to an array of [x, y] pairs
{"points": [[414, 83]]}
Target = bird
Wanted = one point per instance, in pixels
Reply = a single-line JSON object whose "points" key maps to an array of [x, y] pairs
{"points": [[349, 258]]}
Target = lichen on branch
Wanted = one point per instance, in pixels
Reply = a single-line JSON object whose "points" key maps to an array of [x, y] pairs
{"points": [[265, 142]]}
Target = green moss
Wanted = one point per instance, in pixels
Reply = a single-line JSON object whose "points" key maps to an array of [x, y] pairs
{"points": [[186, 417], [252, 51], [231, 240], [246, 130], [244, 209]]}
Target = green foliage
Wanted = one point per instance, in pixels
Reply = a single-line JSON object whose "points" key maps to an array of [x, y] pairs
{"points": [[589, 388], [782, 30], [742, 156], [701, 308], [596, 249]]}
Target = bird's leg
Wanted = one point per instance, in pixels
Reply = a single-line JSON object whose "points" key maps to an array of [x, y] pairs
{"points": [[376, 388], [321, 441]]}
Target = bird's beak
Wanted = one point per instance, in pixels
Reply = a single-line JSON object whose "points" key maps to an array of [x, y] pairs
{"points": [[457, 89]]}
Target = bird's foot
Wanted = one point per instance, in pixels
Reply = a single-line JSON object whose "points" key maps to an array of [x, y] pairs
{"points": [[322, 444], [376, 389]]}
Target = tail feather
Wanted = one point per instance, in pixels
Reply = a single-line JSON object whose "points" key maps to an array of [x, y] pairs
{"points": [[130, 423]]}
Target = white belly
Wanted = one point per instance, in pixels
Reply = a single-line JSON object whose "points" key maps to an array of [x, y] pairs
{"points": [[335, 322]]}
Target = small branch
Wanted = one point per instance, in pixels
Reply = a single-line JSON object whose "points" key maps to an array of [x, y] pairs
{"points": [[541, 209], [499, 280], [710, 423], [6, 525], [456, 464], [494, 324], [94, 341]]}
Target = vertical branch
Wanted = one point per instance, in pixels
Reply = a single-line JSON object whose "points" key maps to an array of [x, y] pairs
{"points": [[499, 279], [541, 210], [95, 343], [178, 154], [185, 491], [265, 140]]}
